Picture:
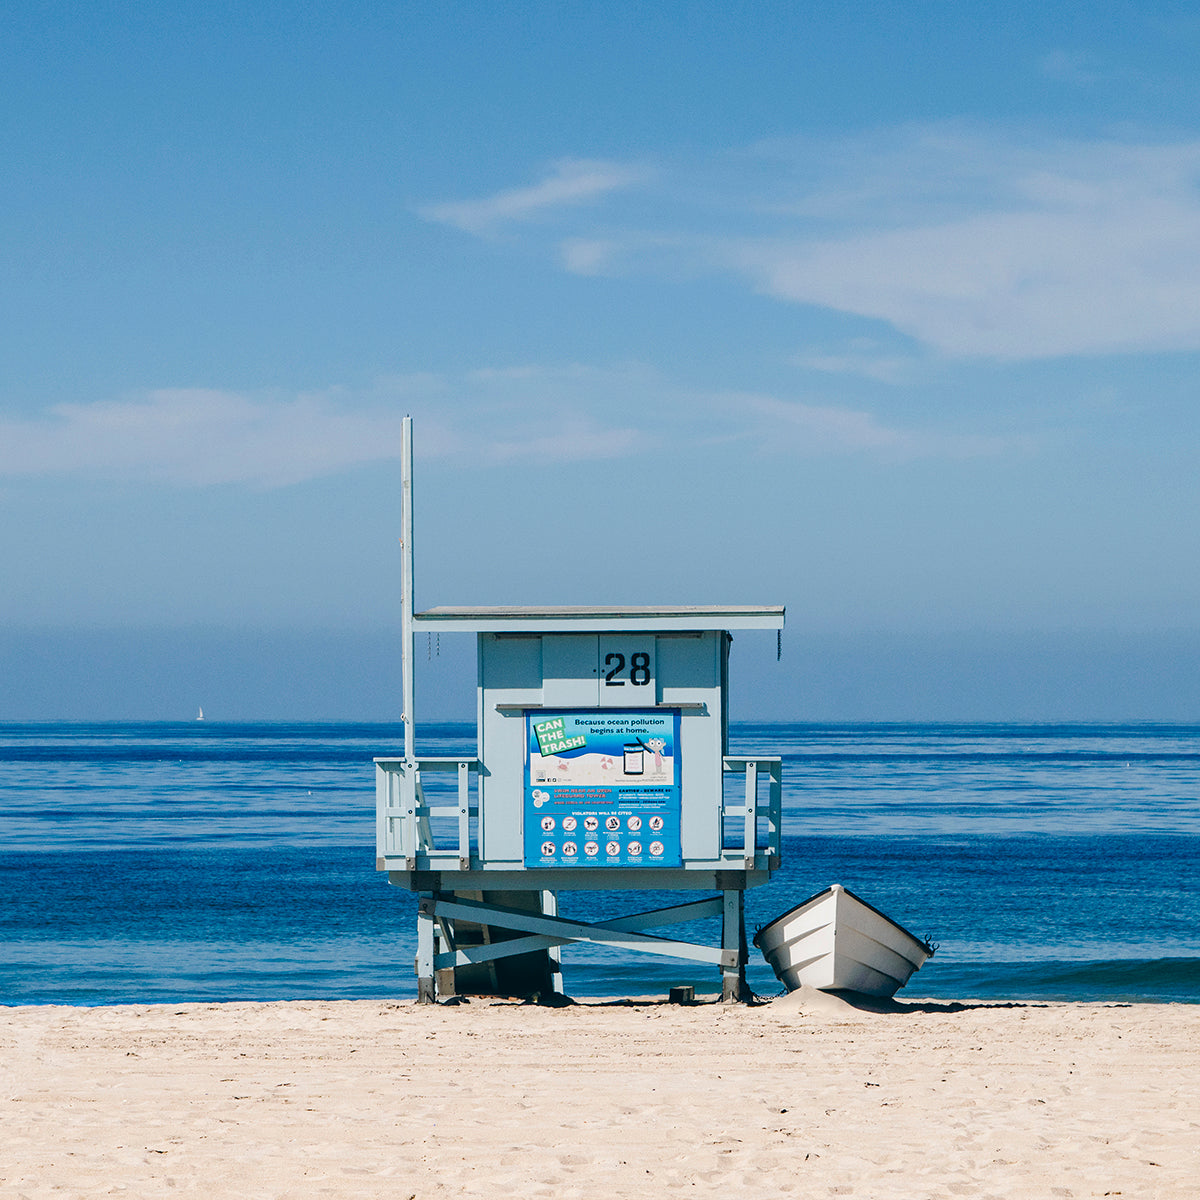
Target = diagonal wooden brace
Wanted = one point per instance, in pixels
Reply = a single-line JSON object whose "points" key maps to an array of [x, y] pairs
{"points": [[620, 933]]}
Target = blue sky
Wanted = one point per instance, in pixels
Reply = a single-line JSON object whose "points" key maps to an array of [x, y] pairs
{"points": [[888, 313]]}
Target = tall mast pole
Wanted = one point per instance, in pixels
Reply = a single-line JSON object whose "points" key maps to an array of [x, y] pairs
{"points": [[406, 584]]}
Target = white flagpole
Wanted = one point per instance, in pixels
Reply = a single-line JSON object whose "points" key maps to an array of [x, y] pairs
{"points": [[406, 584]]}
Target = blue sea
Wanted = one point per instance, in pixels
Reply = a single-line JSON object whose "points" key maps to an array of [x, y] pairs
{"points": [[202, 861]]}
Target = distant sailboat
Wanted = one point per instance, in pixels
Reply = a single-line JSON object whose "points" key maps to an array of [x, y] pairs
{"points": [[199, 714]]}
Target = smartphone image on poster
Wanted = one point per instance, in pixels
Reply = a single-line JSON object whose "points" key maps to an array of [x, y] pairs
{"points": [[635, 758]]}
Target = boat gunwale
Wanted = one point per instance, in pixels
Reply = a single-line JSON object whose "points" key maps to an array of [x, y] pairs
{"points": [[924, 943]]}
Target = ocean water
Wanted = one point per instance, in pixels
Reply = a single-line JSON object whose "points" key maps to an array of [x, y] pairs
{"points": [[172, 862]]}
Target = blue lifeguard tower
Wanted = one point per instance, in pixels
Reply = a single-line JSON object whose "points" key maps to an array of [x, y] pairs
{"points": [[602, 764]]}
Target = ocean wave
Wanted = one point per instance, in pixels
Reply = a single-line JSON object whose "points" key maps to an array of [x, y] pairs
{"points": [[1132, 980]]}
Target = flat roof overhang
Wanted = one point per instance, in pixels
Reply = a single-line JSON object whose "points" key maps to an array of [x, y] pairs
{"points": [[600, 619]]}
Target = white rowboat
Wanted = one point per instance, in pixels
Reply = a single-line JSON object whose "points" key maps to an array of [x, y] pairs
{"points": [[835, 941]]}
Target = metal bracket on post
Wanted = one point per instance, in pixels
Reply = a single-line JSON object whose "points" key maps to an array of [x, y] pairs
{"points": [[464, 816], [751, 834]]}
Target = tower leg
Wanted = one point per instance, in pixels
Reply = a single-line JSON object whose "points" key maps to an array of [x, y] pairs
{"points": [[426, 984], [733, 938], [550, 908]]}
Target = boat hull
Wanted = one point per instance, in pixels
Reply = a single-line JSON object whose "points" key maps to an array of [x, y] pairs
{"points": [[835, 941]]}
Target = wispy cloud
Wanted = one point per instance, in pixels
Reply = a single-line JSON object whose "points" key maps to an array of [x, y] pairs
{"points": [[1076, 67], [821, 429], [535, 414], [860, 356], [195, 437], [588, 256], [569, 182], [576, 439], [975, 242], [1087, 251]]}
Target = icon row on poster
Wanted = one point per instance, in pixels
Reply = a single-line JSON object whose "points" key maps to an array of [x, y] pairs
{"points": [[592, 850], [611, 823]]}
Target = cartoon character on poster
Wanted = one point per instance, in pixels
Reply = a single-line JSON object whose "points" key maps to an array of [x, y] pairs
{"points": [[656, 746]]}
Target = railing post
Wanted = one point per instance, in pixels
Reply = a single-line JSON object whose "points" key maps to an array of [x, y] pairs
{"points": [[775, 850], [411, 794], [383, 798]]}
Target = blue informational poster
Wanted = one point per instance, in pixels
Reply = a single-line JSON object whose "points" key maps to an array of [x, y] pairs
{"points": [[602, 788]]}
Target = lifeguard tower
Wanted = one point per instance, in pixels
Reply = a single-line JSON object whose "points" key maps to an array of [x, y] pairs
{"points": [[602, 764]]}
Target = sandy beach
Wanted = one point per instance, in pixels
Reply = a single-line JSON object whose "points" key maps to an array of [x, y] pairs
{"points": [[633, 1099]]}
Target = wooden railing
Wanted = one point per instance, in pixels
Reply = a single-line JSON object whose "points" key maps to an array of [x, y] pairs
{"points": [[405, 815], [750, 809]]}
